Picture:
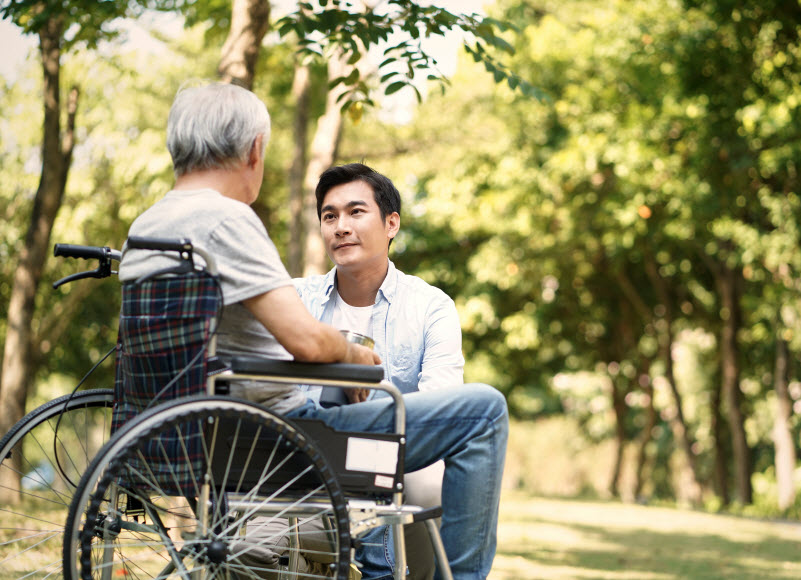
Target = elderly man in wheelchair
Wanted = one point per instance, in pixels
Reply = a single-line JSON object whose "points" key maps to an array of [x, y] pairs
{"points": [[209, 310]]}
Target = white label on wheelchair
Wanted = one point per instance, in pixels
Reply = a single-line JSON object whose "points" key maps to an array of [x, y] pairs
{"points": [[383, 481], [372, 456]]}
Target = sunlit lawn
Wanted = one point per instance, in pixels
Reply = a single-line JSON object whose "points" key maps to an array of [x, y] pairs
{"points": [[551, 538]]}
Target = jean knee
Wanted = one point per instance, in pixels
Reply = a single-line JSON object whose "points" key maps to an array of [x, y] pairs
{"points": [[491, 400]]}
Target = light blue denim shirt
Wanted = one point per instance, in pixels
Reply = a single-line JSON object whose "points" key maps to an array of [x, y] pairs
{"points": [[415, 327]]}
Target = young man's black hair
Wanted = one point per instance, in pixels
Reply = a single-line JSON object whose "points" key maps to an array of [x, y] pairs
{"points": [[385, 193]]}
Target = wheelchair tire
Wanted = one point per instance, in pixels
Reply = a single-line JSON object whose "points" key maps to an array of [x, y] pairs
{"points": [[41, 461], [131, 517]]}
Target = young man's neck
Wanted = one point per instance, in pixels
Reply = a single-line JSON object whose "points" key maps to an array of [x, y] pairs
{"points": [[359, 287]]}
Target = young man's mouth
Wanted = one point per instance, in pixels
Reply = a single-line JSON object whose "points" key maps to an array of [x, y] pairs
{"points": [[345, 245]]}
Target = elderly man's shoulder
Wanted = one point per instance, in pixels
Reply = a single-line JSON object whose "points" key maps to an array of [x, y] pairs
{"points": [[205, 200]]}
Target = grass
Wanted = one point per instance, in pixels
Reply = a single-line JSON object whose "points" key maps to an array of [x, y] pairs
{"points": [[563, 539]]}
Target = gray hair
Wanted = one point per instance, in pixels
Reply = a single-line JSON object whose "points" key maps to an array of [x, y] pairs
{"points": [[214, 127]]}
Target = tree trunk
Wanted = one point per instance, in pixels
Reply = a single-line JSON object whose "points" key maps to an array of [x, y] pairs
{"points": [[300, 93], [728, 288], [785, 456], [721, 473], [321, 157], [640, 309], [57, 148], [250, 20], [619, 407], [645, 436], [690, 482]]}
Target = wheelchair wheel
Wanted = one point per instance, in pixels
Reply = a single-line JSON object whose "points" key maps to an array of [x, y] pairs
{"points": [[208, 487], [41, 461]]}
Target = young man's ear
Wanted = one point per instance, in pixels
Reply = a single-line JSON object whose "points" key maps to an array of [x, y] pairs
{"points": [[393, 224]]}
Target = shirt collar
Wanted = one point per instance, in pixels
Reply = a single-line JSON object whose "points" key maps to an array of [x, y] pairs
{"points": [[387, 289], [390, 284], [328, 284]]}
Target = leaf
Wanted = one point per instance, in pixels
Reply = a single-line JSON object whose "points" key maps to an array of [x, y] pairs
{"points": [[345, 96], [337, 81], [500, 43], [395, 87], [352, 77]]}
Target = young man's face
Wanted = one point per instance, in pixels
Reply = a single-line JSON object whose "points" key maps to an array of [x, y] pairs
{"points": [[354, 234]]}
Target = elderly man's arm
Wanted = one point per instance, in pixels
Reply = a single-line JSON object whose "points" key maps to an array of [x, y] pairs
{"points": [[283, 314]]}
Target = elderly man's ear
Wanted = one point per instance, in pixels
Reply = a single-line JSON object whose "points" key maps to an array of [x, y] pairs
{"points": [[256, 154]]}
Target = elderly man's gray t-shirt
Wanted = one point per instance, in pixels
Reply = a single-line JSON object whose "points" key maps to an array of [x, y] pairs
{"points": [[248, 265]]}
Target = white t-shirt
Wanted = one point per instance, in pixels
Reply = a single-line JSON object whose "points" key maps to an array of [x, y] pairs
{"points": [[353, 318]]}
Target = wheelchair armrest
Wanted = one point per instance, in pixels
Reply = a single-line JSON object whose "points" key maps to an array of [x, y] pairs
{"points": [[427, 514], [257, 365]]}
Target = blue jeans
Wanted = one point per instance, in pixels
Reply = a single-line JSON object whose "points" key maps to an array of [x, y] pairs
{"points": [[467, 426]]}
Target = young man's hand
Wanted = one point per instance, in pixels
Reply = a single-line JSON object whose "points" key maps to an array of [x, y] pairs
{"points": [[360, 355], [357, 395]]}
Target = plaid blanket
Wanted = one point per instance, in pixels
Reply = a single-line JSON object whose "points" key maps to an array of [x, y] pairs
{"points": [[164, 328]]}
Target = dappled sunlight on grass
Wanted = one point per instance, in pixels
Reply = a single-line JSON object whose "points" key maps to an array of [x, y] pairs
{"points": [[564, 539]]}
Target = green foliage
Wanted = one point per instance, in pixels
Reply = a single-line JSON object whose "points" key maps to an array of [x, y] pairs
{"points": [[574, 231], [587, 225], [215, 15], [84, 21], [398, 28], [120, 166], [20, 154]]}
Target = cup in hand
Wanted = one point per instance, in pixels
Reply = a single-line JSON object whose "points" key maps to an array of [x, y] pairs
{"points": [[335, 396], [361, 339]]}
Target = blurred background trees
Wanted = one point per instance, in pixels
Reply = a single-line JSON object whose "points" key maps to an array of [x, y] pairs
{"points": [[622, 242]]}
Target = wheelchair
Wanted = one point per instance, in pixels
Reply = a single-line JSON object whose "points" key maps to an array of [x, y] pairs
{"points": [[196, 484], [43, 456]]}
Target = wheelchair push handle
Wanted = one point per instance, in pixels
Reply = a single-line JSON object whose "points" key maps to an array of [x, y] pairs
{"points": [[85, 252], [104, 255], [162, 244], [183, 246]]}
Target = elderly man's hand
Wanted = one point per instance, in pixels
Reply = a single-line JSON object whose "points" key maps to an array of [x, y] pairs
{"points": [[361, 355]]}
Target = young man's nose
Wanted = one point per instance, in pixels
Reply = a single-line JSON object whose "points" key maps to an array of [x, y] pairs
{"points": [[343, 228]]}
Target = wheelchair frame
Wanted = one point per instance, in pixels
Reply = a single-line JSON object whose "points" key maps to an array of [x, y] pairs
{"points": [[362, 511]]}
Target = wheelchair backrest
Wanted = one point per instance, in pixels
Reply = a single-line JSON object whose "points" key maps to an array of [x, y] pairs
{"points": [[162, 354]]}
